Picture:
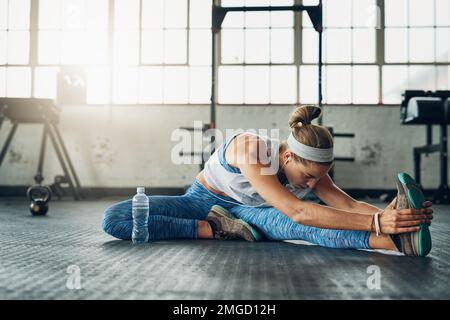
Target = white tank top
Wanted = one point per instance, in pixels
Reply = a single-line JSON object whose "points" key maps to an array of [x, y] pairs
{"points": [[221, 176]]}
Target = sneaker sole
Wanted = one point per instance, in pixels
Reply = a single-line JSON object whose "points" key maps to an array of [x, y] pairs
{"points": [[422, 238], [224, 212]]}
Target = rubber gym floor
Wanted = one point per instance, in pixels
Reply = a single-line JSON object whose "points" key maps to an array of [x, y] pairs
{"points": [[40, 255]]}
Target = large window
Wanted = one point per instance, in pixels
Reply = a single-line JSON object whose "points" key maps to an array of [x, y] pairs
{"points": [[15, 75], [159, 51], [417, 46]]}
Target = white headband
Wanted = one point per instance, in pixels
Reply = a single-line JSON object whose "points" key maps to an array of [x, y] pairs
{"points": [[309, 153]]}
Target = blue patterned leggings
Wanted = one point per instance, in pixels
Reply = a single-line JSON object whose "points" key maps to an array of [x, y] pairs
{"points": [[176, 217]]}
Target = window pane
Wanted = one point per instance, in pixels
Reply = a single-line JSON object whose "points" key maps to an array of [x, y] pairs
{"points": [[125, 85], [98, 84], [363, 45], [421, 13], [200, 85], [152, 46], [49, 47], [50, 14], [3, 47], [73, 47], [175, 13], [73, 14], [338, 45], [126, 15], [18, 82], [443, 13], [45, 82], [257, 82], [396, 13], [443, 78], [257, 48], [395, 81], [19, 14], [97, 14], [175, 50], [309, 45], [97, 47], [151, 85], [422, 78], [309, 84], [338, 93], [284, 2], [306, 21], [443, 44], [257, 19], [282, 45], [176, 85], [233, 19], [283, 84], [396, 45], [365, 84], [200, 11], [231, 85], [337, 13], [2, 82], [421, 44], [152, 13], [200, 47], [233, 3], [18, 47], [281, 19], [3, 14], [232, 46], [365, 13], [126, 48]]}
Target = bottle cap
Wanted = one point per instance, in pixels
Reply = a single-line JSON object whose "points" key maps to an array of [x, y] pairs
{"points": [[140, 189]]}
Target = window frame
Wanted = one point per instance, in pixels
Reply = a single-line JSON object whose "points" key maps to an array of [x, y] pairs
{"points": [[379, 62]]}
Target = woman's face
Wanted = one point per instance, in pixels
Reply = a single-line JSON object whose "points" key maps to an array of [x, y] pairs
{"points": [[303, 175]]}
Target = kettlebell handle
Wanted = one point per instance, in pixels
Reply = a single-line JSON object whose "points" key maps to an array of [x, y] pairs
{"points": [[45, 189]]}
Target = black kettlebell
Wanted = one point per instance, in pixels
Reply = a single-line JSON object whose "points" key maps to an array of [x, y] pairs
{"points": [[39, 197]]}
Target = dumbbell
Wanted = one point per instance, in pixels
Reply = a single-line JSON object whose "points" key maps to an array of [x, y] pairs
{"points": [[39, 197]]}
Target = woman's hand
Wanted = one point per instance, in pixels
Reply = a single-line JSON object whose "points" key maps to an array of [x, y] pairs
{"points": [[393, 221]]}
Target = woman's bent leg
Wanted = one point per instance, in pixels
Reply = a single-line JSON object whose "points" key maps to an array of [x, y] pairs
{"points": [[118, 222], [274, 225], [171, 217]]}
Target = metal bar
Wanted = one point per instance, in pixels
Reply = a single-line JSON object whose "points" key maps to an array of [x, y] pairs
{"points": [[319, 80], [380, 56], [297, 7], [344, 159], [444, 156], [428, 148], [429, 134], [417, 159], [66, 155], [344, 135], [8, 142], [39, 178]]}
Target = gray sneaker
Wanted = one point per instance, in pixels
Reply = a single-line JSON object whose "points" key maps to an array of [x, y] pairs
{"points": [[226, 227], [410, 196]]}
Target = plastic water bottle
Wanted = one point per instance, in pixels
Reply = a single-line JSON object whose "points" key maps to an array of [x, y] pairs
{"points": [[140, 217]]}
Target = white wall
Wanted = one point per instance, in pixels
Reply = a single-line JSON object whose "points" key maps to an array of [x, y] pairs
{"points": [[130, 146]]}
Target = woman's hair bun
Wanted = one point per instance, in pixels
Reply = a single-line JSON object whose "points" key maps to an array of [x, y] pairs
{"points": [[304, 115]]}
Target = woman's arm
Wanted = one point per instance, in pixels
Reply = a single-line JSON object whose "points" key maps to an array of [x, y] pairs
{"points": [[312, 214], [300, 211], [332, 195]]}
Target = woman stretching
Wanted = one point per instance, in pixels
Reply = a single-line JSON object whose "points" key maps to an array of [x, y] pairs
{"points": [[252, 188]]}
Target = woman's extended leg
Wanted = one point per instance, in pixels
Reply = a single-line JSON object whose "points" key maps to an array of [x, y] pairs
{"points": [[274, 225]]}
